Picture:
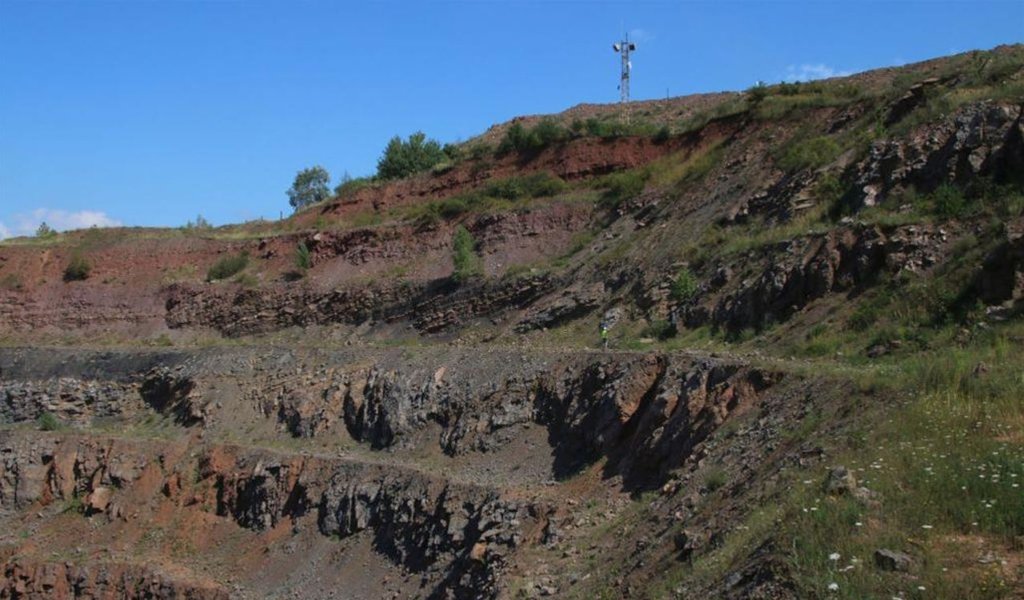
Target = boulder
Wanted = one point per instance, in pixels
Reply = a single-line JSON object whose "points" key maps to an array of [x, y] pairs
{"points": [[98, 500], [840, 481], [890, 560]]}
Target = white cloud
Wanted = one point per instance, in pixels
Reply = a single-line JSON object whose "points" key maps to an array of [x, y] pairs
{"points": [[810, 72], [61, 220]]}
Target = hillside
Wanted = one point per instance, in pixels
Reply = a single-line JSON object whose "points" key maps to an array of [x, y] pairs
{"points": [[811, 386]]}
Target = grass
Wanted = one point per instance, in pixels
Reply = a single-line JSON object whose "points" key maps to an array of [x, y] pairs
{"points": [[946, 466], [715, 478], [227, 266], [77, 269], [49, 422], [940, 445], [671, 172], [621, 187], [499, 195], [803, 152]]}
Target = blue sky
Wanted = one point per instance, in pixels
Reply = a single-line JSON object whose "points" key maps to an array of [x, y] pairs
{"points": [[149, 112]]}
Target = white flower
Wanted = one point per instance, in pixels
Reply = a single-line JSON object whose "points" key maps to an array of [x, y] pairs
{"points": [[832, 587], [833, 556]]}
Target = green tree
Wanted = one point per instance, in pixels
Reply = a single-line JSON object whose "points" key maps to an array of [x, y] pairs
{"points": [[45, 231], [464, 257], [404, 158], [309, 187]]}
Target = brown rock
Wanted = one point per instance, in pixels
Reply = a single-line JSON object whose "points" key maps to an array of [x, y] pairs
{"points": [[478, 552], [99, 499]]}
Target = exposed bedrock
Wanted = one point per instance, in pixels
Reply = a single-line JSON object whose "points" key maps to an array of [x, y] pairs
{"points": [[430, 307], [644, 412], [980, 139], [456, 534], [30, 580], [792, 274], [68, 399]]}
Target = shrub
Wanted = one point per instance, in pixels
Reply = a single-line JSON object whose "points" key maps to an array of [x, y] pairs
{"points": [[45, 231], [620, 187], [404, 158], [662, 135], [227, 266], [809, 153], [480, 151], [949, 202], [548, 132], [302, 258], [829, 192], [715, 478], [48, 422], [78, 269], [199, 224], [684, 286], [535, 185], [757, 93], [506, 189], [349, 185], [659, 329], [464, 257], [525, 141], [605, 129], [449, 208], [453, 152], [543, 184], [309, 187]]}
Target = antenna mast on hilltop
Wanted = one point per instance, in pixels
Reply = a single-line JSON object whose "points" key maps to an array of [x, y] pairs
{"points": [[624, 48]]}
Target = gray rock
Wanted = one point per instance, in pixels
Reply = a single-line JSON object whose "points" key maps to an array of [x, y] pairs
{"points": [[890, 560], [840, 481]]}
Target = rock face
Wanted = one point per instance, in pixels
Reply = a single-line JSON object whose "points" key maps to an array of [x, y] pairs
{"points": [[430, 307], [797, 272], [424, 524], [69, 399], [644, 414], [45, 469], [1001, 280], [38, 581], [980, 139]]}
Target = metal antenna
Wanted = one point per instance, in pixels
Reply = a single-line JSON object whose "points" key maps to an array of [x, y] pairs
{"points": [[624, 48]]}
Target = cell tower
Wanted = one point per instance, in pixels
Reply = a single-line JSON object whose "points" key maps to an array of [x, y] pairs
{"points": [[624, 48]]}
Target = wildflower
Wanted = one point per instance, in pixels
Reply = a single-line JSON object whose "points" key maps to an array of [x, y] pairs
{"points": [[832, 587], [834, 556]]}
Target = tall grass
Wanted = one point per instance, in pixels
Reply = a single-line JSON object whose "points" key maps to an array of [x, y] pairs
{"points": [[947, 468]]}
